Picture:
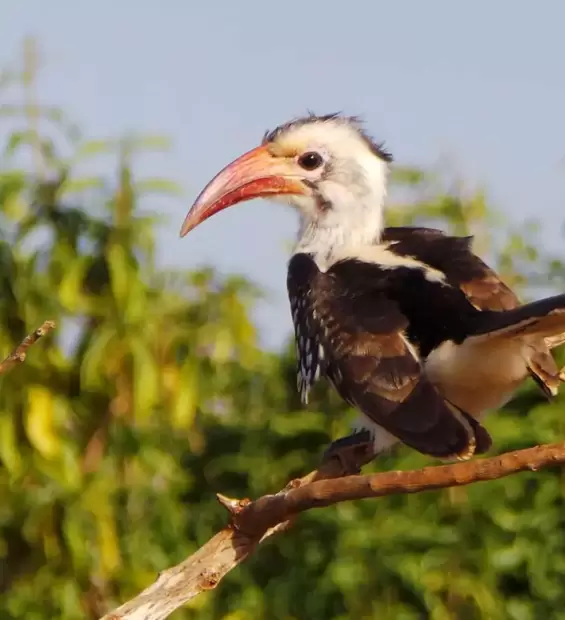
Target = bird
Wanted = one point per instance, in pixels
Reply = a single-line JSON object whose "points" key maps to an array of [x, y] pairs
{"points": [[411, 328]]}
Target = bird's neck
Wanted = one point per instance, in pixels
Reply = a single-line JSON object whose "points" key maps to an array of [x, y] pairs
{"points": [[360, 226], [348, 211]]}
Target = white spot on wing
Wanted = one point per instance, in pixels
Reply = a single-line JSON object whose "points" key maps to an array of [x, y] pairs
{"points": [[309, 352], [410, 347]]}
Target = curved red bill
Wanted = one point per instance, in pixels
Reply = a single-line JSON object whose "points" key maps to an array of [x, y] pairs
{"points": [[253, 175]]}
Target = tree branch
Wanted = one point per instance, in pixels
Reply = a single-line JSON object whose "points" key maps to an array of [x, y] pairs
{"points": [[253, 522], [18, 355]]}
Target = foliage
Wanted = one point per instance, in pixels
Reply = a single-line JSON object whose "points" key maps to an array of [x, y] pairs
{"points": [[115, 436]]}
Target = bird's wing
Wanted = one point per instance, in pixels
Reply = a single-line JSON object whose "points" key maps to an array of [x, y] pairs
{"points": [[454, 257], [484, 289], [355, 334]]}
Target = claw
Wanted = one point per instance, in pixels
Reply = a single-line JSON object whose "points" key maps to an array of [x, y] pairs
{"points": [[352, 451]]}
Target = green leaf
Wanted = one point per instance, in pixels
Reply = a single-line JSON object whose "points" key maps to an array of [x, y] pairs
{"points": [[150, 143], [102, 347], [71, 285], [120, 273], [17, 139], [93, 148], [146, 380], [77, 186], [159, 186]]}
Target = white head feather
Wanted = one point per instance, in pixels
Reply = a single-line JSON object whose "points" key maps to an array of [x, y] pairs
{"points": [[348, 188]]}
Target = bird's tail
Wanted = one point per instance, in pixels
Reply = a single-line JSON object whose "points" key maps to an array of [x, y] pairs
{"points": [[544, 318]]}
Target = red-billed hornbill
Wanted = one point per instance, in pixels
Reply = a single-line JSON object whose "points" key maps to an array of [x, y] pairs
{"points": [[410, 327]]}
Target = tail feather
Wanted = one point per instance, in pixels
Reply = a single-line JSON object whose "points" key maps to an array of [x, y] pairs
{"points": [[544, 318], [435, 426], [424, 421]]}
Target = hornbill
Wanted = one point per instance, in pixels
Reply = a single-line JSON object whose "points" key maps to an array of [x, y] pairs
{"points": [[410, 327]]}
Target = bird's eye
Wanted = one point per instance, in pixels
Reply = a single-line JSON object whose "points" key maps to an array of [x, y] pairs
{"points": [[310, 160]]}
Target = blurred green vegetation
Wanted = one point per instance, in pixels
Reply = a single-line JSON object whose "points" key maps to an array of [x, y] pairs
{"points": [[112, 446]]}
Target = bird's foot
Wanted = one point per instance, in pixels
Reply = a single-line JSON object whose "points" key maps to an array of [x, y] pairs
{"points": [[352, 452]]}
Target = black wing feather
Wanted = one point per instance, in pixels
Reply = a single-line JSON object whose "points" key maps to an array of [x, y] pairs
{"points": [[454, 257]]}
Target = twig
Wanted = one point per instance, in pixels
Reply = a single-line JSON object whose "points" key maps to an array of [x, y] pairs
{"points": [[254, 522], [18, 355]]}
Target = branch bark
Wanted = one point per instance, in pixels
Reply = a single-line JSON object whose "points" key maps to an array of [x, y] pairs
{"points": [[252, 522], [18, 355]]}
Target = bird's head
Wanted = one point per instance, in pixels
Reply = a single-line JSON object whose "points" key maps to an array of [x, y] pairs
{"points": [[325, 166]]}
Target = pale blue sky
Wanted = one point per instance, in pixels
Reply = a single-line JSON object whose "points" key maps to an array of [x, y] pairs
{"points": [[483, 81]]}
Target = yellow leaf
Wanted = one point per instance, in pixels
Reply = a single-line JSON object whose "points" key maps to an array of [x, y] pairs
{"points": [[237, 615], [96, 499], [170, 378], [9, 451], [40, 423], [187, 397], [223, 346], [15, 207], [108, 542]]}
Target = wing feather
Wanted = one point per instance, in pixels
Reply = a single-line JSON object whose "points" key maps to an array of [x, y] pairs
{"points": [[454, 257], [485, 290]]}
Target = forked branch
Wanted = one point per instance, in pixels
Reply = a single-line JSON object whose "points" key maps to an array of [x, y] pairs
{"points": [[253, 522], [18, 355]]}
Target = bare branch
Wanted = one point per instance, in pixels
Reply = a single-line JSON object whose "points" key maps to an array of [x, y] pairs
{"points": [[254, 522], [18, 355]]}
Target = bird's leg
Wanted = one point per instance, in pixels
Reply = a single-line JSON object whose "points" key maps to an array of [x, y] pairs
{"points": [[352, 451]]}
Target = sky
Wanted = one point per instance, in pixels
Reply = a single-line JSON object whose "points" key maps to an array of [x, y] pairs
{"points": [[479, 82]]}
